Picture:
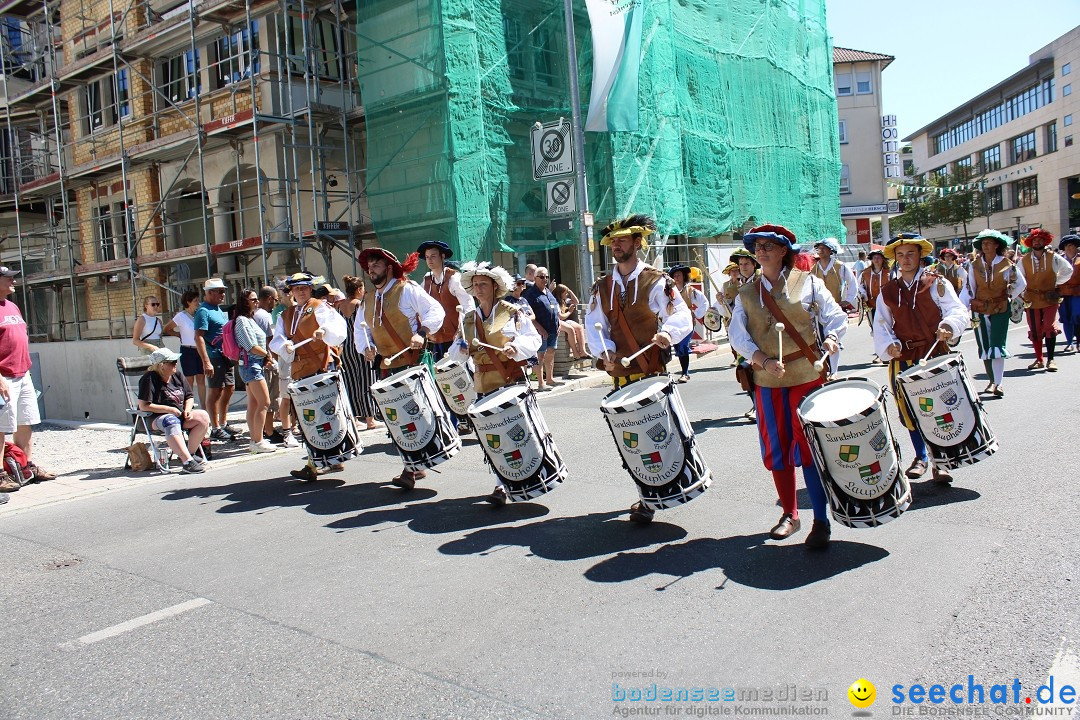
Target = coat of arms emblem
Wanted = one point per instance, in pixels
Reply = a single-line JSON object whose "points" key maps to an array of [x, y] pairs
{"points": [[657, 433]]}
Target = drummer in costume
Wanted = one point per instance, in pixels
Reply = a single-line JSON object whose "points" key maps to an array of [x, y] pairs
{"points": [[781, 383], [499, 323], [444, 284], [723, 304], [698, 304], [1070, 293], [840, 281], [399, 315], [915, 311], [1043, 270], [313, 319], [747, 269], [948, 268], [872, 279], [991, 283], [634, 305]]}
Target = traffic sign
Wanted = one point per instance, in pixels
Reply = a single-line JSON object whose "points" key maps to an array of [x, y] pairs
{"points": [[560, 197], [552, 150]]}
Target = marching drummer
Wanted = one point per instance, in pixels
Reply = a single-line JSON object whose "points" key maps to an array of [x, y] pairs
{"points": [[918, 312], [1043, 270], [782, 382], [634, 311], [725, 298], [992, 282], [873, 278], [494, 322], [698, 303], [396, 321], [840, 282], [948, 268], [321, 329]]}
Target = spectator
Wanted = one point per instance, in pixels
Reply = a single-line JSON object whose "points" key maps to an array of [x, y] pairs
{"points": [[20, 409], [530, 274], [545, 310], [263, 315], [860, 264], [147, 332], [515, 293], [182, 326], [209, 320], [574, 331], [254, 356], [162, 392], [357, 371]]}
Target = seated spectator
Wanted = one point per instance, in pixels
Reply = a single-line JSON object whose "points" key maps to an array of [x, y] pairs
{"points": [[572, 329], [162, 392]]}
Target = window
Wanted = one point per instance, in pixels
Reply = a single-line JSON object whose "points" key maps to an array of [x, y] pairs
{"points": [[545, 57], [237, 55], [863, 86], [107, 100], [991, 159], [1067, 90], [909, 168], [1012, 108], [103, 229], [964, 162], [941, 173], [843, 84], [845, 179], [1066, 69], [993, 200], [1026, 192], [843, 131], [1023, 148], [1068, 120], [324, 45], [180, 76], [515, 56], [1068, 141], [1051, 138]]}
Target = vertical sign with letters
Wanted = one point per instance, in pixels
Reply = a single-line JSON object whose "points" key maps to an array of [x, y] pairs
{"points": [[890, 146]]}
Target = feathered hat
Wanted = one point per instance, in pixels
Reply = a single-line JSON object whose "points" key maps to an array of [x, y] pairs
{"points": [[1035, 234], [926, 248], [300, 278], [400, 268], [502, 279], [642, 225]]}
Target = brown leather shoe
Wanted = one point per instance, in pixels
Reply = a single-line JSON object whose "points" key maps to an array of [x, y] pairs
{"points": [[498, 496], [39, 474], [1037, 365], [641, 514], [787, 527], [1051, 366], [941, 475], [8, 483], [407, 479], [306, 473], [999, 391], [335, 468], [917, 468], [819, 535]]}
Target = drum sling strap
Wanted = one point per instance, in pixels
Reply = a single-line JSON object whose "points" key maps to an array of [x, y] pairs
{"points": [[809, 354], [624, 327], [413, 355], [508, 372]]}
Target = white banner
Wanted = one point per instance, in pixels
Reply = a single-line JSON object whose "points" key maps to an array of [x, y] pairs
{"points": [[616, 36]]}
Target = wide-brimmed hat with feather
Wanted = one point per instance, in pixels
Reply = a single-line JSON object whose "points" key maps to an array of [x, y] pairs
{"points": [[502, 279], [642, 225]]}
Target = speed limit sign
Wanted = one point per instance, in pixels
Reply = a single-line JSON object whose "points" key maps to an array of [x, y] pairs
{"points": [[552, 150]]}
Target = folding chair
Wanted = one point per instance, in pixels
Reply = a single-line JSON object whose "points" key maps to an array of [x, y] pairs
{"points": [[131, 370]]}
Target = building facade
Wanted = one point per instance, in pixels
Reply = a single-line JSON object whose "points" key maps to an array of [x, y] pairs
{"points": [[1017, 138]]}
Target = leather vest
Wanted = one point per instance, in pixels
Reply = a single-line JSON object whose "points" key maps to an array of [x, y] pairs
{"points": [[441, 293], [873, 284], [488, 376], [392, 317], [639, 318], [1039, 282], [313, 357], [991, 298], [955, 275], [760, 323], [831, 280], [916, 317], [1072, 285]]}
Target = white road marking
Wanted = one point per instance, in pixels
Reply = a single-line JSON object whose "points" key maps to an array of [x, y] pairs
{"points": [[1065, 670], [142, 620]]}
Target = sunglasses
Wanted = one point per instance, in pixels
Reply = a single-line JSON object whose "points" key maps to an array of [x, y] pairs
{"points": [[168, 362], [541, 277], [155, 304]]}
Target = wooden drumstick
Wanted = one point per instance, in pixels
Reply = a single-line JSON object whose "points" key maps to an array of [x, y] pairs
{"points": [[599, 328], [922, 362], [820, 364], [395, 356], [626, 360], [780, 339], [477, 344]]}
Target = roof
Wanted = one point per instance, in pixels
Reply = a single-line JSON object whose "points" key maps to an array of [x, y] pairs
{"points": [[847, 55]]}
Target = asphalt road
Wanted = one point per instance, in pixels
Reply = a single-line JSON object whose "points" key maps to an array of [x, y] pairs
{"points": [[243, 594]]}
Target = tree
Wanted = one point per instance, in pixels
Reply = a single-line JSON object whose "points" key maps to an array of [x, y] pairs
{"points": [[920, 211], [962, 206]]}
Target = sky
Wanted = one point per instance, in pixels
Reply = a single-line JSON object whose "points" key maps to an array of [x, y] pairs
{"points": [[947, 51]]}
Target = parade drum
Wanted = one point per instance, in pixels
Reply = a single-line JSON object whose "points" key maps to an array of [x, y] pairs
{"points": [[416, 419], [712, 320], [947, 411], [456, 384], [517, 442], [325, 419], [657, 444], [1016, 310], [855, 452]]}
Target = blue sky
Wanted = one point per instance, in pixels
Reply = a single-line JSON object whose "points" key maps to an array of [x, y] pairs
{"points": [[946, 51]]}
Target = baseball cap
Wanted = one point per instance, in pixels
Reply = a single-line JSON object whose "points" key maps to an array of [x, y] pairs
{"points": [[8, 272], [163, 355], [213, 284]]}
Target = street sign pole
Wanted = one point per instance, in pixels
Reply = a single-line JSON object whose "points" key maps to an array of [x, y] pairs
{"points": [[579, 156]]}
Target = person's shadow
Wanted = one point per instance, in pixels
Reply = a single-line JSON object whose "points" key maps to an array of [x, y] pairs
{"points": [[928, 494], [744, 559], [443, 516], [568, 538]]}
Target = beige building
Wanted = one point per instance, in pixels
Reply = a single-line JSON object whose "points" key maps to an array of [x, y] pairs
{"points": [[1018, 138], [868, 144]]}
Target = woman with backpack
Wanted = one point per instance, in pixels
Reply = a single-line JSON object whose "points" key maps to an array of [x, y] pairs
{"points": [[252, 358]]}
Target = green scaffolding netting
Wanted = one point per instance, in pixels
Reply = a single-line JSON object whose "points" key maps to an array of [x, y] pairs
{"points": [[737, 120]]}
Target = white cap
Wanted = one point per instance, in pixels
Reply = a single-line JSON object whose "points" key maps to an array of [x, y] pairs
{"points": [[214, 284]]}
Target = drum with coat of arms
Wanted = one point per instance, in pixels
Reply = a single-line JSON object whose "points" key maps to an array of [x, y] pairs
{"points": [[326, 420], [947, 411], [456, 384], [417, 422]]}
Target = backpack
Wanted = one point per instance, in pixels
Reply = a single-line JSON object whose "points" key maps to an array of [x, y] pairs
{"points": [[229, 346]]}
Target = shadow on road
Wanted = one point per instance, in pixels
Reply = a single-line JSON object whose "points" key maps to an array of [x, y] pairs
{"points": [[704, 424], [568, 538], [928, 494], [444, 516], [744, 559]]}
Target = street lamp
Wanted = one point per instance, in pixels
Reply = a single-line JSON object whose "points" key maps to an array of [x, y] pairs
{"points": [[1017, 219]]}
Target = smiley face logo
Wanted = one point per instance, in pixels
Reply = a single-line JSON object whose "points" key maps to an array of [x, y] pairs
{"points": [[862, 693]]}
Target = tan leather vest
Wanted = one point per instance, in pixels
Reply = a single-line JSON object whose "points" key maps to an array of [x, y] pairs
{"points": [[488, 377], [313, 357], [385, 342], [955, 275], [916, 316], [873, 284], [1072, 285], [760, 323], [441, 293], [991, 298], [831, 280], [639, 317], [1040, 282]]}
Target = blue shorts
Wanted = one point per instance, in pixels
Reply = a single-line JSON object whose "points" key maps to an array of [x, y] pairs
{"points": [[190, 362], [551, 343], [252, 371]]}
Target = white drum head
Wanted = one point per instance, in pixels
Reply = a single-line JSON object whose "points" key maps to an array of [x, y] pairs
{"points": [[398, 378], [839, 401], [502, 396], [636, 394]]}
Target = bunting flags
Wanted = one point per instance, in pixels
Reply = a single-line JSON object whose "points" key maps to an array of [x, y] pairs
{"points": [[903, 189]]}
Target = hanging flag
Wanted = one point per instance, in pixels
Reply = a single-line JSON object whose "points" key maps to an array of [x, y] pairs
{"points": [[616, 36]]}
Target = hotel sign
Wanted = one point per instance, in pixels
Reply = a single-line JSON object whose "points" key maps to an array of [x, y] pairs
{"points": [[890, 146]]}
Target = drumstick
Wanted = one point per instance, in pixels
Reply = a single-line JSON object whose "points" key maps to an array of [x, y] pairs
{"points": [[600, 327], [780, 339], [302, 343], [626, 360], [476, 343], [922, 362], [395, 356]]}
